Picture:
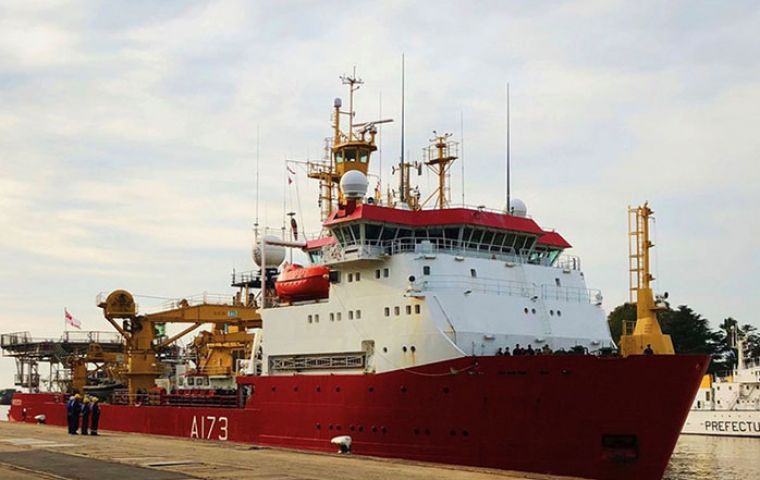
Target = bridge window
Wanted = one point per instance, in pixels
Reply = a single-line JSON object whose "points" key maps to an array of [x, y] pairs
{"points": [[408, 309], [358, 276], [387, 311], [417, 308], [350, 155], [363, 156], [377, 273], [397, 311], [350, 314], [350, 277], [339, 156], [386, 272], [340, 316]]}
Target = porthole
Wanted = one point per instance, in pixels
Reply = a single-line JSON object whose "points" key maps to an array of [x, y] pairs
{"points": [[559, 313], [525, 310], [533, 311], [403, 348], [385, 349], [414, 349]]}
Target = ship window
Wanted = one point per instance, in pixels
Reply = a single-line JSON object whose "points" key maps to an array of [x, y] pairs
{"points": [[408, 309], [417, 308], [388, 233], [310, 318], [397, 311], [386, 272], [559, 313], [190, 381], [315, 256], [557, 282], [332, 317], [426, 270], [356, 230], [377, 273], [487, 238], [451, 233], [340, 316], [358, 276], [339, 156], [205, 380], [473, 273], [358, 314], [372, 231], [387, 311], [350, 314], [350, 277], [350, 154], [404, 233], [316, 318], [363, 156]]}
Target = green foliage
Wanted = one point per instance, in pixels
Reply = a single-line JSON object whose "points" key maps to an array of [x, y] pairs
{"points": [[622, 313]]}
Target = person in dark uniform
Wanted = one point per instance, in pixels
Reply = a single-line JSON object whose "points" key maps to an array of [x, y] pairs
{"points": [[73, 408], [648, 350], [95, 414], [86, 415], [530, 350]]}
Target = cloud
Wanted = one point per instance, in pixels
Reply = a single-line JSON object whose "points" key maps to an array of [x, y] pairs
{"points": [[128, 133]]}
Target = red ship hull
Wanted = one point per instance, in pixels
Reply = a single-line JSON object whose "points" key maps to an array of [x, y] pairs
{"points": [[601, 418]]}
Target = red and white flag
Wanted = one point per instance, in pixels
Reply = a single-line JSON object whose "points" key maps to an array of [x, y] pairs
{"points": [[70, 320]]}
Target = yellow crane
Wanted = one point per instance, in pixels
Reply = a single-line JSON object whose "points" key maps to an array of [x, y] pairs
{"points": [[139, 332], [647, 331]]}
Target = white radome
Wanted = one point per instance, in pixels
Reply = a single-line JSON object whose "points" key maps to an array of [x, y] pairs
{"points": [[518, 208], [274, 255], [354, 184]]}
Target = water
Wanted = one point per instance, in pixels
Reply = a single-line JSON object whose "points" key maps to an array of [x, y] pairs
{"points": [[715, 458]]}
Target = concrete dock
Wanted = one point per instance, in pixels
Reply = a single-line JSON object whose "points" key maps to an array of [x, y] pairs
{"points": [[45, 452]]}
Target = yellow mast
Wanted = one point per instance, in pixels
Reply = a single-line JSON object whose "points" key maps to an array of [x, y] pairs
{"points": [[647, 332], [440, 154]]}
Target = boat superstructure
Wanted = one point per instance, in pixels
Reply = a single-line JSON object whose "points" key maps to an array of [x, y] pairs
{"points": [[728, 405], [395, 341]]}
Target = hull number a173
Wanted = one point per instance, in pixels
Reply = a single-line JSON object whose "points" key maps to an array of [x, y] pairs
{"points": [[209, 427]]}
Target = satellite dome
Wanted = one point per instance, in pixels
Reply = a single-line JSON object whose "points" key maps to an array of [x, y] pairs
{"points": [[517, 208], [354, 184], [273, 254]]}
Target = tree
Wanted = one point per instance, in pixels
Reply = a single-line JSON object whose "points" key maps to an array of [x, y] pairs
{"points": [[622, 313], [747, 333]]}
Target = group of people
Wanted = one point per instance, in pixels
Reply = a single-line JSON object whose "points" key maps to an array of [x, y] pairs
{"points": [[519, 351], [88, 410]]}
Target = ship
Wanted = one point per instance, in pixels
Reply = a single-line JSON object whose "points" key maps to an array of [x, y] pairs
{"points": [[728, 405], [419, 330]]}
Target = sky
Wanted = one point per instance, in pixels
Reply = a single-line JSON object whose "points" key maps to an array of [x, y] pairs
{"points": [[128, 135]]}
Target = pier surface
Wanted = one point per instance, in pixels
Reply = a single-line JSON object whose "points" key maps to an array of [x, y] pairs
{"points": [[45, 452]]}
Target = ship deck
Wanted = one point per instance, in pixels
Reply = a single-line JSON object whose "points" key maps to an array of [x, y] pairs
{"points": [[42, 451]]}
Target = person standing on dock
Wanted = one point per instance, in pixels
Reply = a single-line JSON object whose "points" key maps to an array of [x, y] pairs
{"points": [[86, 409], [95, 412], [73, 409]]}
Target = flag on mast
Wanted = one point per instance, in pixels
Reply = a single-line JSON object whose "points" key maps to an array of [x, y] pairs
{"points": [[70, 320]]}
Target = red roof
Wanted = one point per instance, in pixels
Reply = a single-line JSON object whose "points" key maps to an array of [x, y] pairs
{"points": [[425, 218], [553, 239], [319, 242]]}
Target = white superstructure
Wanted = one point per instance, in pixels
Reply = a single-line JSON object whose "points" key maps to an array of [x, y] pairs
{"points": [[729, 406], [409, 301]]}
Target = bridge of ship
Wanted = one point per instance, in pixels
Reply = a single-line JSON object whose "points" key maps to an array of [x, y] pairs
{"points": [[372, 232]]}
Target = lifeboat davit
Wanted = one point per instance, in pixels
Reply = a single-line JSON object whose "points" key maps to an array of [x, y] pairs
{"points": [[298, 283]]}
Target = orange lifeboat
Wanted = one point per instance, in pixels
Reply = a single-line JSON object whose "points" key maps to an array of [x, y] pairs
{"points": [[297, 283]]}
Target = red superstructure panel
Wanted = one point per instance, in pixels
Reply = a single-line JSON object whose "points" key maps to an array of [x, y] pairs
{"points": [[425, 218]]}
